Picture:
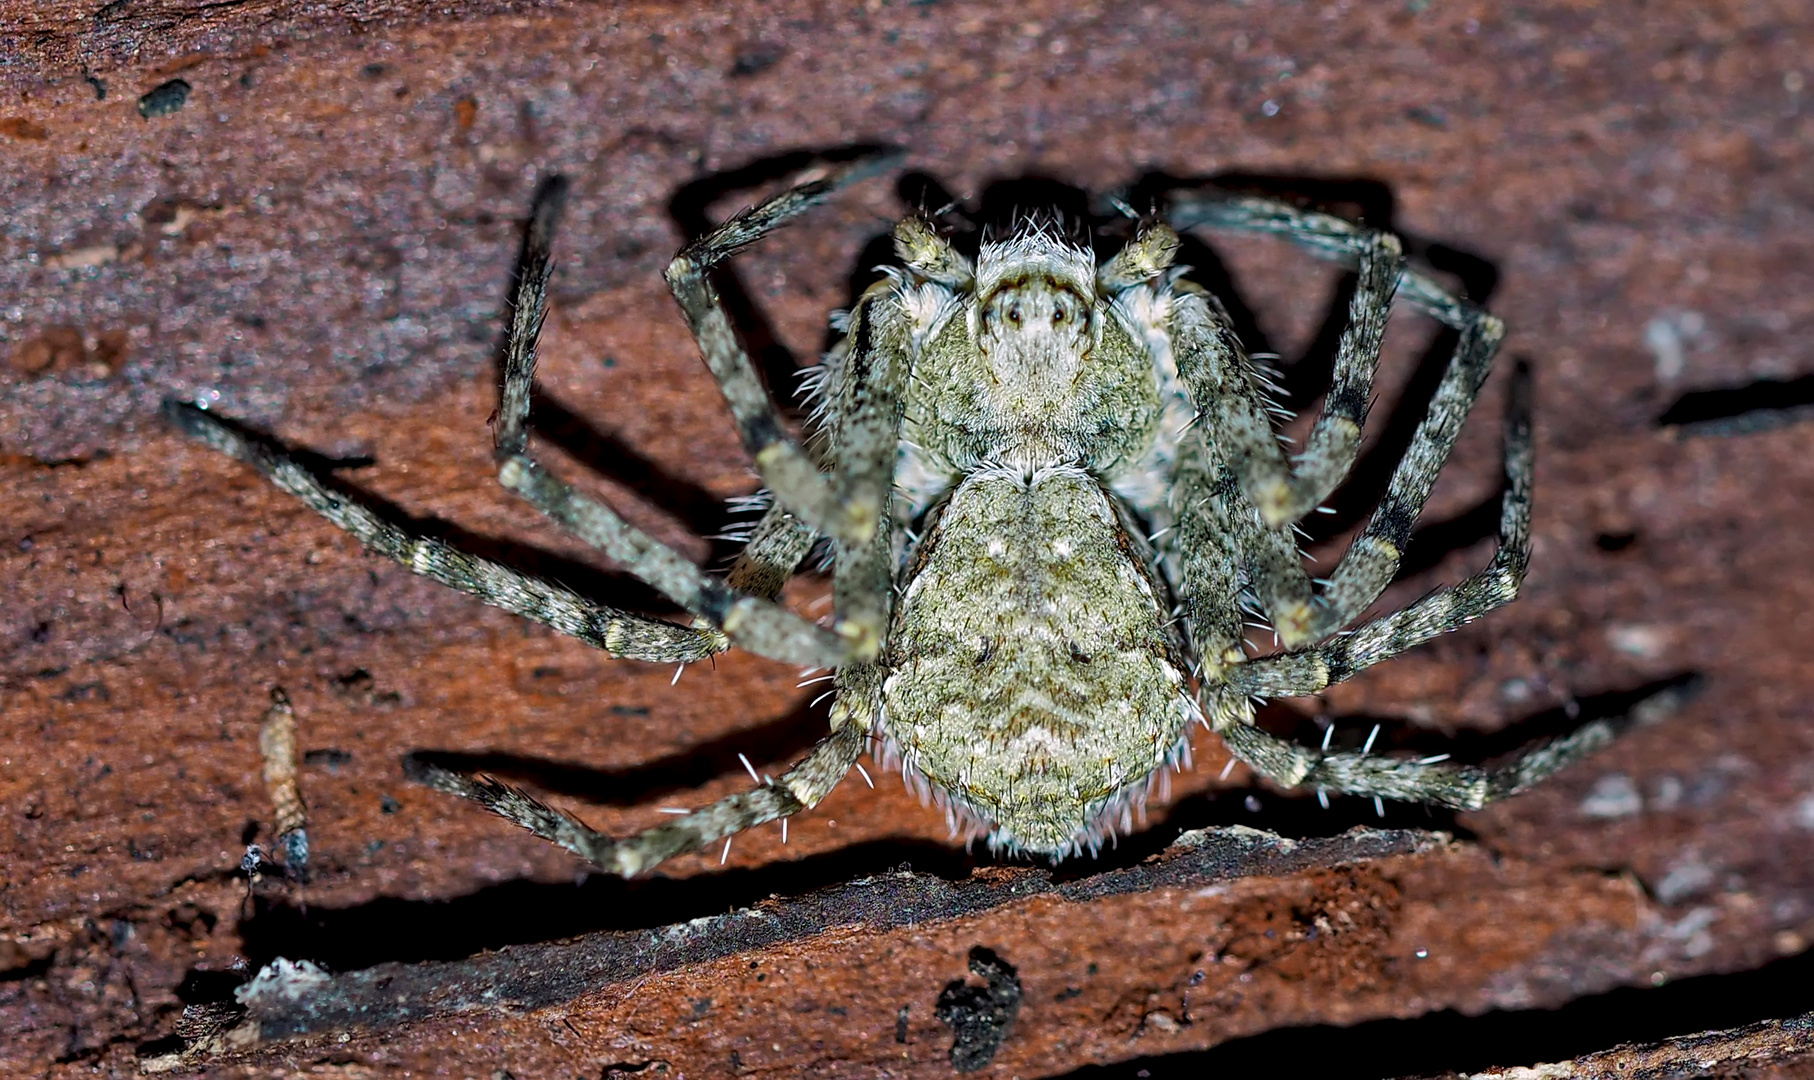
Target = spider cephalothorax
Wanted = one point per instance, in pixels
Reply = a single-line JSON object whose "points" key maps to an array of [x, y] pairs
{"points": [[1050, 485]]}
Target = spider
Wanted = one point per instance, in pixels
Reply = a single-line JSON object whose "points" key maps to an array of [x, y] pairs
{"points": [[1050, 487]]}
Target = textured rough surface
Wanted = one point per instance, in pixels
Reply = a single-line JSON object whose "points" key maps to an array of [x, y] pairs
{"points": [[321, 232]]}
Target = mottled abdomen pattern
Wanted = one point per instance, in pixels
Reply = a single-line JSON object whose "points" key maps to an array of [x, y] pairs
{"points": [[1031, 676]]}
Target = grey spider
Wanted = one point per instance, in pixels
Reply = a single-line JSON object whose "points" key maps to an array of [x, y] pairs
{"points": [[1049, 487]]}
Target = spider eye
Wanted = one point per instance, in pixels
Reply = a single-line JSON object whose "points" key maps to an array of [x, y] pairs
{"points": [[1014, 314], [1058, 315]]}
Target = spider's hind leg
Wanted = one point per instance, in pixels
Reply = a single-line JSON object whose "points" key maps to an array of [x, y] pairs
{"points": [[1443, 783], [800, 788], [1437, 781]]}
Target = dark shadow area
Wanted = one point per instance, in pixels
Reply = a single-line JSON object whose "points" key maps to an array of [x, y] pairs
{"points": [[698, 509], [773, 746], [1448, 1042], [30, 969], [1433, 543], [201, 986], [518, 912], [1740, 410], [929, 195], [1008, 203]]}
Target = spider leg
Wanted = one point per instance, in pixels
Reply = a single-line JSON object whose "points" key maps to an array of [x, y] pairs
{"points": [[1305, 672], [788, 470], [1463, 787], [1224, 383], [621, 633], [1373, 559], [1224, 386], [774, 551], [1323, 235], [753, 621], [1443, 783], [1204, 501], [799, 788], [759, 625], [1275, 566], [862, 421]]}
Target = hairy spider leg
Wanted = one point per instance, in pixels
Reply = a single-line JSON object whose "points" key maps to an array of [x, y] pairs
{"points": [[755, 622], [1373, 559], [1444, 783], [849, 506], [620, 633], [798, 788]]}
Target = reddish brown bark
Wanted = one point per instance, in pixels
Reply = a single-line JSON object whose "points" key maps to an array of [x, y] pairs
{"points": [[322, 232]]}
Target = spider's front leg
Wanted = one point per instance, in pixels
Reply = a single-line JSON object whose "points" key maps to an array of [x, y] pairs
{"points": [[850, 507], [753, 621], [1225, 384], [1373, 559]]}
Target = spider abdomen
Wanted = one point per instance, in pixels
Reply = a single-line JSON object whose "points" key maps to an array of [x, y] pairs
{"points": [[1031, 677]]}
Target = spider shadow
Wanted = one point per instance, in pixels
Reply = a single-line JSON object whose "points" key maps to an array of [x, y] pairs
{"points": [[1741, 410], [598, 449], [393, 929]]}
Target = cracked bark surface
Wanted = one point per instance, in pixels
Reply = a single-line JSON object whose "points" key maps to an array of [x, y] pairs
{"points": [[322, 232]]}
